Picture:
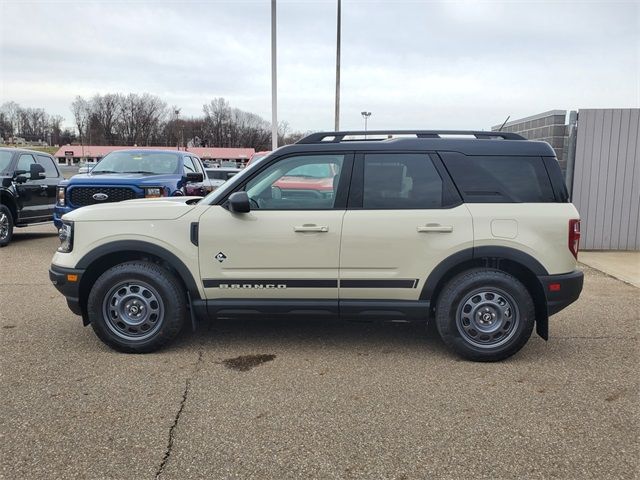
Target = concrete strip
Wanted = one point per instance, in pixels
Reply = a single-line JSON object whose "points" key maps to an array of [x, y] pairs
{"points": [[622, 265]]}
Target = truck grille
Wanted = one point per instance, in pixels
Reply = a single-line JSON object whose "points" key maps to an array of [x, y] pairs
{"points": [[81, 196]]}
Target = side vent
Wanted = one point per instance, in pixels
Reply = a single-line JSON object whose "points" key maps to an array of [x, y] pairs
{"points": [[194, 233]]}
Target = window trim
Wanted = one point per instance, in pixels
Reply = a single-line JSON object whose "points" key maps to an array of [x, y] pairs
{"points": [[343, 185], [356, 192]]}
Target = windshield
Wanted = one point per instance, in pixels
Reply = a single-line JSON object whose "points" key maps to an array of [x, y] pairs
{"points": [[138, 162], [5, 160]]}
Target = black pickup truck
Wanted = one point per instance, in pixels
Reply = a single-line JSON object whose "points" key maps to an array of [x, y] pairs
{"points": [[28, 184]]}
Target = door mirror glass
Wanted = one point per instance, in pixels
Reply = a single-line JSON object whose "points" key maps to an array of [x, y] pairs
{"points": [[36, 171], [239, 202]]}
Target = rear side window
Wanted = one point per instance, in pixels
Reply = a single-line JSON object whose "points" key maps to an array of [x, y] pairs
{"points": [[499, 179], [401, 180], [50, 170]]}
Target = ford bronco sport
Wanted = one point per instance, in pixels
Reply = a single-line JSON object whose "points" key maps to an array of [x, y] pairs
{"points": [[476, 234]]}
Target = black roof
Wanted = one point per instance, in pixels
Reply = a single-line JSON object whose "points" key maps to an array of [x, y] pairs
{"points": [[465, 142], [23, 150]]}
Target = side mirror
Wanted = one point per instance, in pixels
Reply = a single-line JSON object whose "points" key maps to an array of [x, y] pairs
{"points": [[36, 171], [194, 177], [239, 202]]}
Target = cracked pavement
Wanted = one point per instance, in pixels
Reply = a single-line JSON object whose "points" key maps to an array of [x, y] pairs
{"points": [[265, 399]]}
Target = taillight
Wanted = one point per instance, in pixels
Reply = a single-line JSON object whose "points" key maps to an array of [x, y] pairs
{"points": [[574, 237]]}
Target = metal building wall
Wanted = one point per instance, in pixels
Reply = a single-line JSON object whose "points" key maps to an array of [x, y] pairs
{"points": [[606, 181]]}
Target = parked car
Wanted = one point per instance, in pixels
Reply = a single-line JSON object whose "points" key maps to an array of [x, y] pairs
{"points": [[475, 234], [218, 176], [27, 189], [86, 167], [128, 174]]}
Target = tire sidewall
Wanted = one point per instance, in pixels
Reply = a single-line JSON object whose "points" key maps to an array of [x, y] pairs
{"points": [[459, 288], [162, 281], [7, 211]]}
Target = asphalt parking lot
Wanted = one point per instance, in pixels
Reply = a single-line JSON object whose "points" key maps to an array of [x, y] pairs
{"points": [[311, 400]]}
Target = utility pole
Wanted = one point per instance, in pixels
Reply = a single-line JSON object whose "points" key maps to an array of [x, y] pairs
{"points": [[274, 80], [337, 119]]}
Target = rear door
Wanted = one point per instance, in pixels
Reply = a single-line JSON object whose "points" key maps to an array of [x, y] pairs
{"points": [[404, 217], [287, 247]]}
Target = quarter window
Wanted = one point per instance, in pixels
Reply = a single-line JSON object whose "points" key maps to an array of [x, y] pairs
{"points": [[499, 179], [401, 181], [307, 182]]}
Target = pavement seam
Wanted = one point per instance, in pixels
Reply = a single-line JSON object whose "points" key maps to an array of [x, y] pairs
{"points": [[176, 419]]}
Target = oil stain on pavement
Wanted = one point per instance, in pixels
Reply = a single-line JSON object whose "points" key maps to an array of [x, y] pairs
{"points": [[244, 363]]}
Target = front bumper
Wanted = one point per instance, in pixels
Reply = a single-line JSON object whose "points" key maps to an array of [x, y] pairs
{"points": [[561, 290], [67, 281]]}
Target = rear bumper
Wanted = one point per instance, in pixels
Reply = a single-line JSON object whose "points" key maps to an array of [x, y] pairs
{"points": [[561, 290], [62, 279]]}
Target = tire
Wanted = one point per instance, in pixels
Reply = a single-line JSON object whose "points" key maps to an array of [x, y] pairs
{"points": [[137, 307], [6, 225], [485, 315]]}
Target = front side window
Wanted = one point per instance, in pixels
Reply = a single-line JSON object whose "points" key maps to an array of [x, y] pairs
{"points": [[50, 169], [25, 161], [308, 182], [401, 181], [149, 163], [189, 166]]}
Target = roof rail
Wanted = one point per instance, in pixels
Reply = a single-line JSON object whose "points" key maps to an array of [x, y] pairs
{"points": [[337, 137]]}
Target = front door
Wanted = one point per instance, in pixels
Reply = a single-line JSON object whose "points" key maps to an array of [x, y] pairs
{"points": [[287, 246], [404, 218], [32, 194]]}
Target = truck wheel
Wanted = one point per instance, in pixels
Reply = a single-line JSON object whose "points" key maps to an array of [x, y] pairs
{"points": [[6, 225], [485, 315], [137, 307]]}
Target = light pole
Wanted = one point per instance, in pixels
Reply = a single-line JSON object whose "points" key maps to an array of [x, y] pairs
{"points": [[366, 116], [337, 109], [274, 80]]}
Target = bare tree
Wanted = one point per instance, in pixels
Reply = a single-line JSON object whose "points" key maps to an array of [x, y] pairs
{"points": [[81, 112]]}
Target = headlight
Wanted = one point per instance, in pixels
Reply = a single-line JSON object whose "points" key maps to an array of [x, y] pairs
{"points": [[66, 237], [153, 192], [61, 196]]}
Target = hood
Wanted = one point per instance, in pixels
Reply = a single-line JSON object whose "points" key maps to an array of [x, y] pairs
{"points": [[139, 209], [121, 179]]}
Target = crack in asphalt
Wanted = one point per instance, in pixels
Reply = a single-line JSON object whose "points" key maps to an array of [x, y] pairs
{"points": [[176, 419]]}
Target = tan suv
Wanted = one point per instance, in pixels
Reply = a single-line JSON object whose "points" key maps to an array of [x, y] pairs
{"points": [[472, 230]]}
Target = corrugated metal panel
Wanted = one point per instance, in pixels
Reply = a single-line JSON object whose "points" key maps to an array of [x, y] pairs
{"points": [[606, 183]]}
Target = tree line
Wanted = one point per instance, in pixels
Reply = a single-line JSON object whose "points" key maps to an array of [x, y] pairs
{"points": [[142, 120]]}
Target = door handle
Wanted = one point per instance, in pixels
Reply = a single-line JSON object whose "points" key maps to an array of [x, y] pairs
{"points": [[311, 228], [435, 228]]}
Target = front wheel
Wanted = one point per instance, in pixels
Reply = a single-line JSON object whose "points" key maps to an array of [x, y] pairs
{"points": [[137, 307], [485, 315], [6, 225]]}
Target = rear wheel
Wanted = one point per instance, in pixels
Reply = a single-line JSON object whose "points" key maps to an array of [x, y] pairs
{"points": [[485, 315], [137, 307], [6, 225]]}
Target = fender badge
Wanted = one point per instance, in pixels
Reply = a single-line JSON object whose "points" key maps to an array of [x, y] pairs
{"points": [[221, 257]]}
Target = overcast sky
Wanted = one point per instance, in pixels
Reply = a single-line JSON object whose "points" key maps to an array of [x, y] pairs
{"points": [[413, 64]]}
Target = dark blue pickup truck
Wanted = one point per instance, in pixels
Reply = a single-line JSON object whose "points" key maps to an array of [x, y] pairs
{"points": [[128, 174]]}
